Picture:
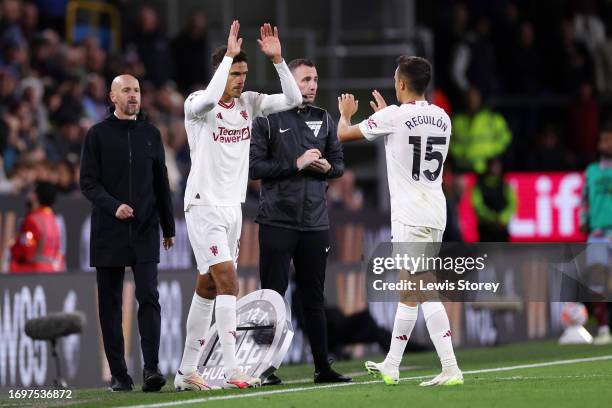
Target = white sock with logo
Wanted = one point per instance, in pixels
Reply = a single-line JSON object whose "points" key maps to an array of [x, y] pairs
{"points": [[198, 323], [225, 319], [405, 319], [440, 332]]}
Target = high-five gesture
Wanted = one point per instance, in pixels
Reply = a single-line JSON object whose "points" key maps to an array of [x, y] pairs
{"points": [[347, 105], [233, 42], [269, 43], [380, 101]]}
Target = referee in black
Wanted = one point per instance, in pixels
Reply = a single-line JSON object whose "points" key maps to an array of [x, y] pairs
{"points": [[294, 153], [123, 174]]}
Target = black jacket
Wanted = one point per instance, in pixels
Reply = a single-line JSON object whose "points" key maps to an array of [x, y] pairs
{"points": [[289, 198], [123, 162]]}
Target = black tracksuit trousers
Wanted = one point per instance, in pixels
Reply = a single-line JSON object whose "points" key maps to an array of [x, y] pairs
{"points": [[309, 250], [110, 293]]}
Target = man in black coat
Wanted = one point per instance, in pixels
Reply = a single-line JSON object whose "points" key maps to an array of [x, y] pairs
{"points": [[294, 153], [123, 174]]}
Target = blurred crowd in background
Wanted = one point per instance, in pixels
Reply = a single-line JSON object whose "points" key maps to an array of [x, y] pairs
{"points": [[525, 83]]}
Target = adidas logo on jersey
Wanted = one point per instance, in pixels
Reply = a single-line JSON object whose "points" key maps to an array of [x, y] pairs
{"points": [[219, 116], [315, 126], [402, 337]]}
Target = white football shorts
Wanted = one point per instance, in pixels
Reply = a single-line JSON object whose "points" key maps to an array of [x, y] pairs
{"points": [[415, 241], [214, 233], [408, 233]]}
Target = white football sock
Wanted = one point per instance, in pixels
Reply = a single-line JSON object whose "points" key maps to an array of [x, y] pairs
{"points": [[198, 322], [405, 318], [440, 332], [225, 319]]}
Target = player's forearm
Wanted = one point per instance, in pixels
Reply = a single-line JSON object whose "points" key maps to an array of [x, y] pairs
{"points": [[291, 96], [343, 124], [208, 99], [290, 88]]}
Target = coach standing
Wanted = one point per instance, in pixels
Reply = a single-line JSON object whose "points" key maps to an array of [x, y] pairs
{"points": [[294, 153], [123, 174]]}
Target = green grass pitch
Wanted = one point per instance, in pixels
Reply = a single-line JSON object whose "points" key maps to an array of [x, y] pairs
{"points": [[531, 375]]}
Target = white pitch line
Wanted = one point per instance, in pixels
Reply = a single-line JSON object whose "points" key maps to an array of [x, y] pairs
{"points": [[321, 387], [353, 374]]}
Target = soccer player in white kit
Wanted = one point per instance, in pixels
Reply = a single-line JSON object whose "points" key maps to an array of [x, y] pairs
{"points": [[417, 136], [218, 123]]}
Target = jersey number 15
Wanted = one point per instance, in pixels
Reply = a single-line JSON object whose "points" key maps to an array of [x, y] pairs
{"points": [[430, 155]]}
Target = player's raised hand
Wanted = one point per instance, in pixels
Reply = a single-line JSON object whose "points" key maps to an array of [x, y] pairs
{"points": [[233, 42], [269, 43], [347, 105], [380, 101]]}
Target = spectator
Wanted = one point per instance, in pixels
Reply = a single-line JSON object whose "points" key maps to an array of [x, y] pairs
{"points": [[548, 152], [474, 61], [38, 247], [66, 182], [191, 52], [583, 124], [597, 222], [572, 64], [523, 70], [67, 140], [10, 31], [31, 90], [450, 36], [506, 33], [591, 30], [70, 107], [153, 48], [46, 54], [94, 101], [29, 21], [479, 134], [494, 202]]}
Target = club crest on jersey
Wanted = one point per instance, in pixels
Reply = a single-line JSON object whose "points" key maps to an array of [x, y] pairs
{"points": [[244, 114], [214, 250], [371, 123], [315, 126], [219, 116]]}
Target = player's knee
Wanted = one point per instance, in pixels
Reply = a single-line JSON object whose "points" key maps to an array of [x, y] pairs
{"points": [[205, 287], [225, 279]]}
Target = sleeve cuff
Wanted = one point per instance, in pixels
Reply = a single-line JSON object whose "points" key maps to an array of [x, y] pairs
{"points": [[281, 65]]}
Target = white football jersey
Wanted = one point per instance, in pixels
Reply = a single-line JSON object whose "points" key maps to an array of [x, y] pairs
{"points": [[417, 137], [219, 137]]}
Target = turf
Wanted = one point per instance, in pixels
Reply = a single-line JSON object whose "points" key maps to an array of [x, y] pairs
{"points": [[582, 384]]}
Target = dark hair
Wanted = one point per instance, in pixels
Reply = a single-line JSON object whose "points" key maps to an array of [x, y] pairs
{"points": [[46, 193], [416, 70], [219, 53], [298, 62]]}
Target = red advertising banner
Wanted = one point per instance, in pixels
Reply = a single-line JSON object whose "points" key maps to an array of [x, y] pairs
{"points": [[547, 210]]}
